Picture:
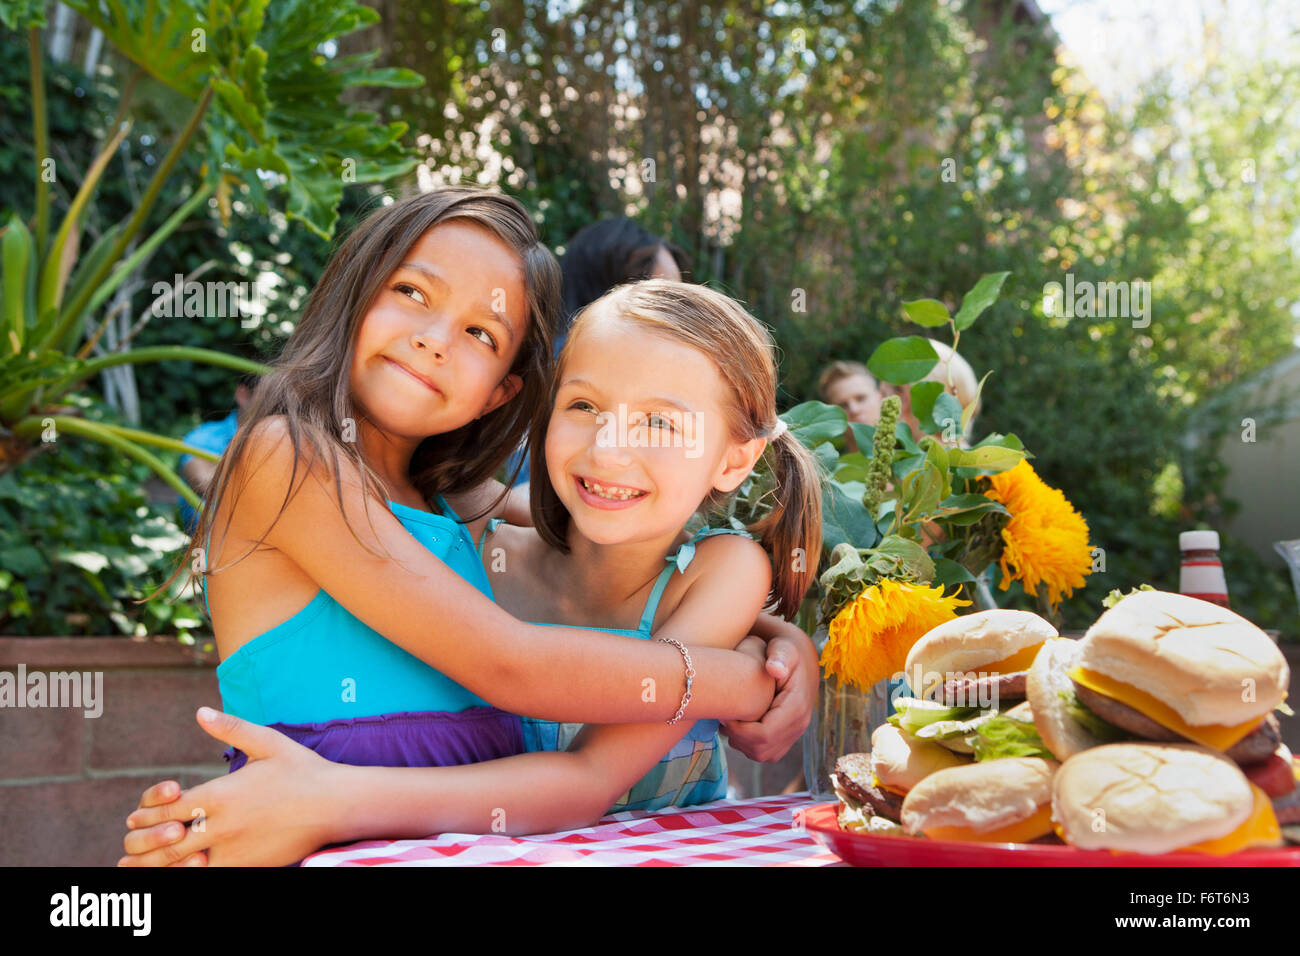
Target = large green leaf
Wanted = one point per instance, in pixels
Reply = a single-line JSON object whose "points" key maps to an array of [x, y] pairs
{"points": [[983, 295], [844, 520], [900, 361], [930, 313], [816, 422], [172, 41], [990, 459]]}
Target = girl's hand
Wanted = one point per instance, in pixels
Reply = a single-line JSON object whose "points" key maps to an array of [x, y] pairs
{"points": [[271, 812], [792, 660], [164, 836]]}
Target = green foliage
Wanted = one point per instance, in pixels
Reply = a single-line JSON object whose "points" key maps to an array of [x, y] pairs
{"points": [[270, 93], [80, 544]]}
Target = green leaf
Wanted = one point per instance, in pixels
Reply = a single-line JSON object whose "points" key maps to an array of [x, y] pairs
{"points": [[844, 520], [916, 563], [930, 313], [23, 560], [162, 42], [969, 412], [948, 571], [947, 410], [989, 459], [852, 467], [983, 295], [937, 454], [901, 361], [864, 435], [816, 422], [921, 491], [390, 76], [1003, 736], [923, 398]]}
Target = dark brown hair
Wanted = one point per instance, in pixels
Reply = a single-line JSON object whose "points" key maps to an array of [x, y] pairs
{"points": [[743, 352], [309, 383]]}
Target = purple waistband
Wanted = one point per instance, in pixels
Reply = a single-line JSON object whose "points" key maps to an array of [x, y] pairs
{"points": [[408, 739]]}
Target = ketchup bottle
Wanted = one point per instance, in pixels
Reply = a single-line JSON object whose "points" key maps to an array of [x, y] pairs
{"points": [[1201, 575]]}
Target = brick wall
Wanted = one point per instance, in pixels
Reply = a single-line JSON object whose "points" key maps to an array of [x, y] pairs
{"points": [[68, 781]]}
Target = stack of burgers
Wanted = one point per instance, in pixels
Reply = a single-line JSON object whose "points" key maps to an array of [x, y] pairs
{"points": [[1155, 732]]}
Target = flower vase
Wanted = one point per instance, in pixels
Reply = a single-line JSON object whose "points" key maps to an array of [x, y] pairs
{"points": [[842, 723]]}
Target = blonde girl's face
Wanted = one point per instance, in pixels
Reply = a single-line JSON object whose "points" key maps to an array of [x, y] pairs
{"points": [[638, 436], [434, 351]]}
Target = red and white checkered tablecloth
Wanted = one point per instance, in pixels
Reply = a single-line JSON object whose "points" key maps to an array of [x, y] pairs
{"points": [[754, 832]]}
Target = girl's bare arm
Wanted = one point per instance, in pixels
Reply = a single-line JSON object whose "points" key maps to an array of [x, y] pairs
{"points": [[549, 672]]}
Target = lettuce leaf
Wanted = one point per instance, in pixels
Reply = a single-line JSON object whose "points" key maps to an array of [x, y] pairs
{"points": [[915, 714], [1102, 730], [1003, 736], [947, 729]]}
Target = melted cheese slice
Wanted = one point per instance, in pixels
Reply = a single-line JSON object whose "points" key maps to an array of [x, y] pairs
{"points": [[875, 782], [1215, 736], [1021, 660], [1260, 829], [1022, 831]]}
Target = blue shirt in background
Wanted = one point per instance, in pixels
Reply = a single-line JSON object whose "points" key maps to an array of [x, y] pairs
{"points": [[213, 437]]}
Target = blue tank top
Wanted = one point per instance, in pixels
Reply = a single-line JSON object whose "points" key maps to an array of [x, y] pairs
{"points": [[694, 771], [324, 664]]}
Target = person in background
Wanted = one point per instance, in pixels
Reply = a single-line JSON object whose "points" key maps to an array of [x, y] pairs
{"points": [[213, 437], [601, 256], [850, 386]]}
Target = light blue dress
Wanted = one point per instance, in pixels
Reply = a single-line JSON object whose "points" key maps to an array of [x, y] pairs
{"points": [[694, 771]]}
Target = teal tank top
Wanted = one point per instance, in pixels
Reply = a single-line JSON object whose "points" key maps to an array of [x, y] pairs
{"points": [[324, 664], [694, 771]]}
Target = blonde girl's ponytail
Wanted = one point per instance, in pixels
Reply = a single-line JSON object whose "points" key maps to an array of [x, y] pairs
{"points": [[791, 532]]}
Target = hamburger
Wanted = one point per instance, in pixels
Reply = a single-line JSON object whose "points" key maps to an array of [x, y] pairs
{"points": [[1158, 798], [1167, 668], [977, 659], [871, 787], [995, 801]]}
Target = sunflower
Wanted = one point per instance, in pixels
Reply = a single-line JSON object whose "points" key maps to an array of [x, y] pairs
{"points": [[1046, 539], [869, 639]]}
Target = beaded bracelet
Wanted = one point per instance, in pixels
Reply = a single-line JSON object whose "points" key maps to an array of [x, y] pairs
{"points": [[690, 676]]}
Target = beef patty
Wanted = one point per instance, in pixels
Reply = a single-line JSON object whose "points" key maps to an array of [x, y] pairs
{"points": [[992, 690], [852, 775], [1258, 745]]}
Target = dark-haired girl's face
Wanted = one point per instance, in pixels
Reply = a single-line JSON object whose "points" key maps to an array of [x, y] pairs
{"points": [[434, 351]]}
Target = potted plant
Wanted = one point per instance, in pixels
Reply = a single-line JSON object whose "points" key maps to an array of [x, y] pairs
{"points": [[908, 517]]}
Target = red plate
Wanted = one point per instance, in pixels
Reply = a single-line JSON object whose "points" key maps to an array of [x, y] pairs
{"points": [[870, 849]]}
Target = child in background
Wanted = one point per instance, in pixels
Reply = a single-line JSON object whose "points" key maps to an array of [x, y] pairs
{"points": [[850, 386]]}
